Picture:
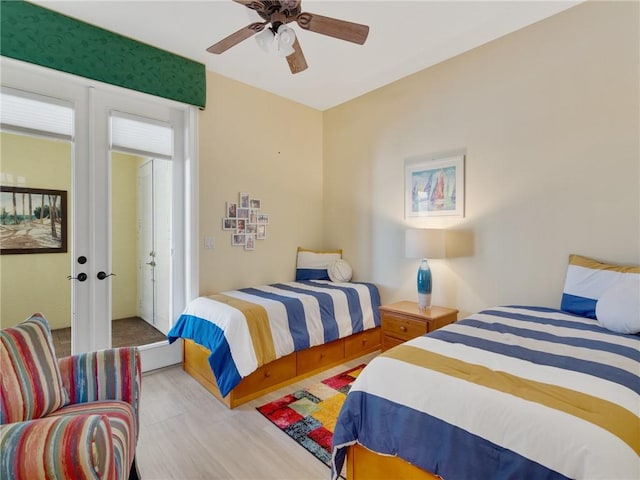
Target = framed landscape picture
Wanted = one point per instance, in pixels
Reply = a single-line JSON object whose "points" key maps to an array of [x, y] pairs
{"points": [[32, 220], [434, 187]]}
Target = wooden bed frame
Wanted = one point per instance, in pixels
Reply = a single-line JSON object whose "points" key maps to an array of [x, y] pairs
{"points": [[363, 464], [280, 372]]}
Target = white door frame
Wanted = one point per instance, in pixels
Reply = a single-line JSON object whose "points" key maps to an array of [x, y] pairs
{"points": [[91, 300]]}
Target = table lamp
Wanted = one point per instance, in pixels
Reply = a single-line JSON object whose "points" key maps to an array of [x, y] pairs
{"points": [[424, 243]]}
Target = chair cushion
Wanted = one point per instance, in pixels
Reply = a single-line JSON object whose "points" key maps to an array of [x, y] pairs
{"points": [[31, 383], [58, 447], [123, 427]]}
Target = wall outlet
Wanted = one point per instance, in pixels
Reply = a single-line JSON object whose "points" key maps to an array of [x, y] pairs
{"points": [[209, 243]]}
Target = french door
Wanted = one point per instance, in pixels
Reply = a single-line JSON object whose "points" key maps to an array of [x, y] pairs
{"points": [[94, 225]]}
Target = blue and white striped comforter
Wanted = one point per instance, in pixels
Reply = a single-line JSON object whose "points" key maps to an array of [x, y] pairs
{"points": [[512, 392], [247, 328]]}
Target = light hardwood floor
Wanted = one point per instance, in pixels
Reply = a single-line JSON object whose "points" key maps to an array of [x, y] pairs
{"points": [[185, 433]]}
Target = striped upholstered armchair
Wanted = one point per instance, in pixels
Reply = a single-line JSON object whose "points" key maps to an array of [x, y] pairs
{"points": [[76, 417]]}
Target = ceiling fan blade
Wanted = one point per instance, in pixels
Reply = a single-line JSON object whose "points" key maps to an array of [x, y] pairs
{"points": [[297, 62], [349, 31], [253, 4], [290, 5], [236, 37]]}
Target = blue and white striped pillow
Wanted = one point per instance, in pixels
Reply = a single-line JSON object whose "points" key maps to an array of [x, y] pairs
{"points": [[313, 264], [587, 279]]}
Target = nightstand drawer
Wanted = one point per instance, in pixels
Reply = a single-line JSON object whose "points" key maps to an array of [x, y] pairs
{"points": [[405, 320], [390, 342], [402, 328]]}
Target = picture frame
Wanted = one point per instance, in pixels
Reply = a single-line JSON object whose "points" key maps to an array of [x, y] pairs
{"points": [[244, 200], [244, 221], [238, 239], [231, 209], [434, 187], [229, 224], [250, 242], [32, 220]]}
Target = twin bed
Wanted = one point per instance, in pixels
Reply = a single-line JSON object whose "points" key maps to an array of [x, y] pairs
{"points": [[244, 343], [509, 392]]}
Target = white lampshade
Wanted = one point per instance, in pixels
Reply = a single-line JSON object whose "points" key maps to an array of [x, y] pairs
{"points": [[265, 39], [286, 38], [424, 243]]}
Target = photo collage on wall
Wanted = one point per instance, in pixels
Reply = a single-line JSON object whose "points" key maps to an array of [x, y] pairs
{"points": [[246, 222]]}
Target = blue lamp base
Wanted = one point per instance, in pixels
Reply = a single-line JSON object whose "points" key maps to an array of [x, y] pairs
{"points": [[424, 285]]}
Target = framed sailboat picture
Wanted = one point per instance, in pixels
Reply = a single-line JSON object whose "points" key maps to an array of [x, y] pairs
{"points": [[434, 186]]}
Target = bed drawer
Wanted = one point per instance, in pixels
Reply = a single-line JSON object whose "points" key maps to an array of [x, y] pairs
{"points": [[362, 343], [267, 376], [319, 357]]}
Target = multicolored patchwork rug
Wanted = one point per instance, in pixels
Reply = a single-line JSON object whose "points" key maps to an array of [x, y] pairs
{"points": [[309, 416]]}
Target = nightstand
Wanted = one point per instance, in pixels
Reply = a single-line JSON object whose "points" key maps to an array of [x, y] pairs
{"points": [[402, 321]]}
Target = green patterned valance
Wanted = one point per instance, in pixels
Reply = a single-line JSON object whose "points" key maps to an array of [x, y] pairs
{"points": [[37, 35]]}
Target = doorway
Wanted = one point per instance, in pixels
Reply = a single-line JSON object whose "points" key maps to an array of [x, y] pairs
{"points": [[98, 281], [154, 243]]}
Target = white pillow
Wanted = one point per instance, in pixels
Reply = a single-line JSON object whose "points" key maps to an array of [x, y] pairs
{"points": [[340, 271], [618, 309]]}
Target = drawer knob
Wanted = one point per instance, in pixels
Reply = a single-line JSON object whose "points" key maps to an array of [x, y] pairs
{"points": [[403, 328], [267, 374]]}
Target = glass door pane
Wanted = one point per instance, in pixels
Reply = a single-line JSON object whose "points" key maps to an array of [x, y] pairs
{"points": [[141, 249], [36, 232], [135, 257]]}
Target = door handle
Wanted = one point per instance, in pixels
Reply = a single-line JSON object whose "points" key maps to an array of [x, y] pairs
{"points": [[102, 275], [152, 263], [81, 277]]}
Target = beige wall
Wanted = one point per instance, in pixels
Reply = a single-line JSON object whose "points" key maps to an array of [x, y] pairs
{"points": [[255, 142], [31, 283], [548, 118]]}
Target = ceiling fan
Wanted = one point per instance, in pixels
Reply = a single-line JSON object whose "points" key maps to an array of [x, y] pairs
{"points": [[280, 13]]}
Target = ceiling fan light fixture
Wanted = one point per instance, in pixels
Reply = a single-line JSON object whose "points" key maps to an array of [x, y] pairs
{"points": [[286, 35], [285, 39], [265, 40]]}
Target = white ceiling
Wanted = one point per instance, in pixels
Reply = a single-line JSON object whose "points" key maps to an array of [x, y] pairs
{"points": [[404, 37]]}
